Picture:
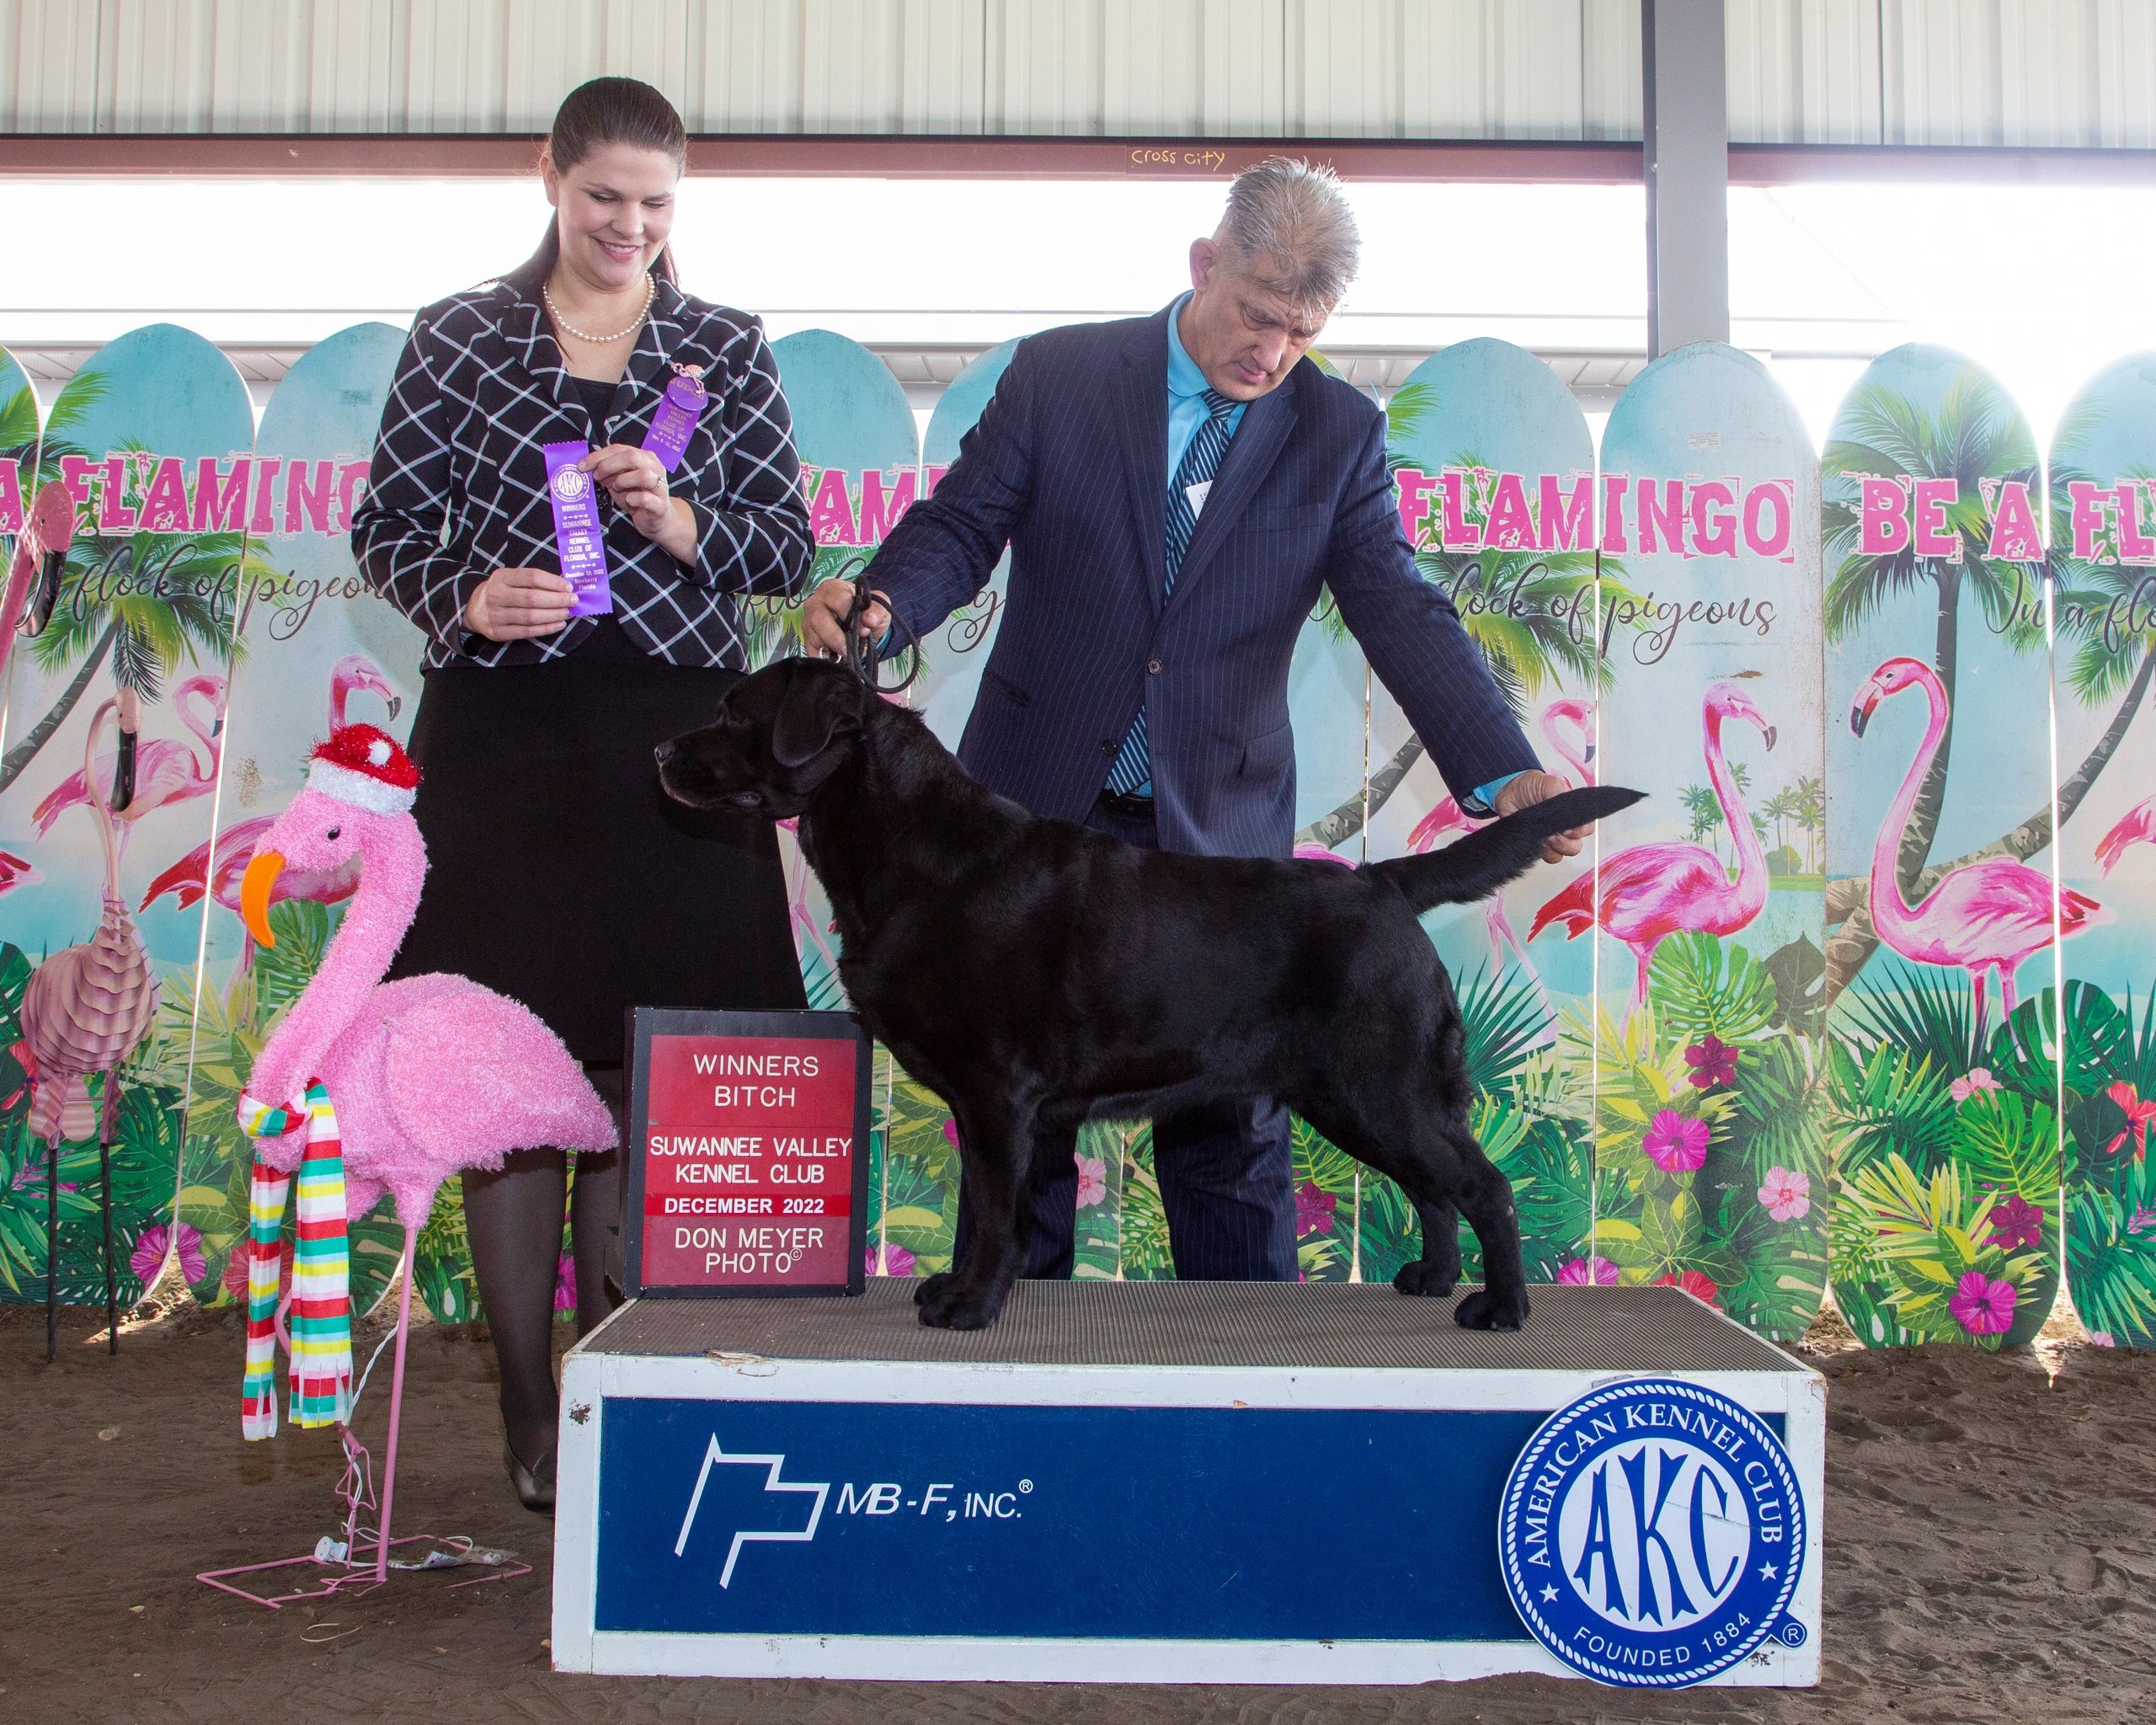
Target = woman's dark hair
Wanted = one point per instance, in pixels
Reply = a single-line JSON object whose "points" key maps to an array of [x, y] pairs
{"points": [[606, 110]]}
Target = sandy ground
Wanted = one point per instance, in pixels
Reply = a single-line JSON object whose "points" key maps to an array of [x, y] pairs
{"points": [[1990, 1555]]}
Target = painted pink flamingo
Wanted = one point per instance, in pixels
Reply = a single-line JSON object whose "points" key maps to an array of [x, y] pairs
{"points": [[1984, 918], [1643, 896], [2137, 826], [165, 772], [1448, 817], [34, 570], [219, 863], [87, 1008], [427, 1075], [353, 672], [798, 916]]}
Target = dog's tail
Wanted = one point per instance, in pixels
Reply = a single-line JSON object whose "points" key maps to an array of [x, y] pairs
{"points": [[1476, 866]]}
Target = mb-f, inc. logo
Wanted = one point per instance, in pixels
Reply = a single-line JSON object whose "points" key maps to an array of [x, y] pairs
{"points": [[1652, 1535], [782, 1493]]}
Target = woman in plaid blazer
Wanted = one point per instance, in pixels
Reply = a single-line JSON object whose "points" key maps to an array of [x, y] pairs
{"points": [[561, 874]]}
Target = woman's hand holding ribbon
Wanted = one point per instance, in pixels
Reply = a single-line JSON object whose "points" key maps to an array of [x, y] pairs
{"points": [[636, 479]]}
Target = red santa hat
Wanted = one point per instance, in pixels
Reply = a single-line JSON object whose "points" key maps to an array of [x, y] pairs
{"points": [[365, 766]]}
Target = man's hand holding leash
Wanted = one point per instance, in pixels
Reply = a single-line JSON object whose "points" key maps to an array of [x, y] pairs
{"points": [[824, 614]]}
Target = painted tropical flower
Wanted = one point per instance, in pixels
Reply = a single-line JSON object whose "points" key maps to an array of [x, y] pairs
{"points": [[2016, 1223], [1093, 1179], [2138, 1115], [1978, 1078], [950, 1131], [1692, 1282], [1313, 1209], [565, 1284], [2102, 1339], [1981, 1306], [2142, 1219], [1588, 1273], [235, 1276], [30, 1178], [897, 1262], [1786, 1195], [148, 1257], [1674, 1144], [1713, 1062]]}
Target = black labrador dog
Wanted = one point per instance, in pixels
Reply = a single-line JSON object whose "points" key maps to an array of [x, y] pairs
{"points": [[1036, 972]]}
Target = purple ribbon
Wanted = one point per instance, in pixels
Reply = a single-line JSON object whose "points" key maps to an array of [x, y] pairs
{"points": [[675, 419], [579, 543]]}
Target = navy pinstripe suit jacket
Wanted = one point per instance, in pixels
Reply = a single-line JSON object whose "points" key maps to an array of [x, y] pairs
{"points": [[1068, 465]]}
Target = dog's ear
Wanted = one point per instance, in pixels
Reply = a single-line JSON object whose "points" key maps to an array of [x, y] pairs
{"points": [[811, 716]]}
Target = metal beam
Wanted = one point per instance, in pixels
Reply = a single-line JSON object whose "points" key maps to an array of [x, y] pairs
{"points": [[1685, 119]]}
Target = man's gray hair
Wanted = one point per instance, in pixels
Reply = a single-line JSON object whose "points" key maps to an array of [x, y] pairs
{"points": [[1290, 228]]}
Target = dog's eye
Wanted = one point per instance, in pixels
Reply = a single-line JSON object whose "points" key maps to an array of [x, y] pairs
{"points": [[333, 832]]}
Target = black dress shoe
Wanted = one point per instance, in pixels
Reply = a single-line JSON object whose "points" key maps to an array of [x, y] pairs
{"points": [[535, 1486]]}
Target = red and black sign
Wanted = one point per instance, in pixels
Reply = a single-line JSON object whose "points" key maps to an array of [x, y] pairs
{"points": [[749, 1170]]}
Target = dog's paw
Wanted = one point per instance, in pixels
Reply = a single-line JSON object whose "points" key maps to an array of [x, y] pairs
{"points": [[1420, 1276], [1484, 1310], [954, 1307], [929, 1286]]}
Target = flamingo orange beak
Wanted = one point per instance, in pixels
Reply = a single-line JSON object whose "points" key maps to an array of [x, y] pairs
{"points": [[255, 887], [1867, 704]]}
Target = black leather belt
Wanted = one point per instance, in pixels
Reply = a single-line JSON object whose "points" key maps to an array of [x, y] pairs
{"points": [[1128, 807]]}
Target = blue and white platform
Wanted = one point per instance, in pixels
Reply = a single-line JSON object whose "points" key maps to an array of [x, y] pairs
{"points": [[1208, 1482]]}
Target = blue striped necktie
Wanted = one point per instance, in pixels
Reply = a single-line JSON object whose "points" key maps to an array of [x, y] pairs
{"points": [[1133, 771]]}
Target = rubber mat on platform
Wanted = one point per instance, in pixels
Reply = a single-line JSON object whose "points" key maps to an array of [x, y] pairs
{"points": [[1306, 1325]]}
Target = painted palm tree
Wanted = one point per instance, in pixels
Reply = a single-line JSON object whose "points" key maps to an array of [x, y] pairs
{"points": [[1704, 810], [1782, 807], [1811, 818], [2095, 606], [146, 635], [1529, 646], [1975, 433]]}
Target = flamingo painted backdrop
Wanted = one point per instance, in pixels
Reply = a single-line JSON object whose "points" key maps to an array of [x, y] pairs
{"points": [[1663, 1137], [1941, 1103]]}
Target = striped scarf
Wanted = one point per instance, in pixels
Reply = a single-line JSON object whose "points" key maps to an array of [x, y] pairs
{"points": [[321, 1310]]}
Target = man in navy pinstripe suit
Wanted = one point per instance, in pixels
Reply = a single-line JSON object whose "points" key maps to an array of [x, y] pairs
{"points": [[1174, 490]]}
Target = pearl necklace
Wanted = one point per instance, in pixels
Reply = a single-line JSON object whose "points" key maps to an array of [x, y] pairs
{"points": [[650, 291]]}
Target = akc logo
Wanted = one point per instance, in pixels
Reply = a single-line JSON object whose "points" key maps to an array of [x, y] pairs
{"points": [[1652, 1535], [570, 483]]}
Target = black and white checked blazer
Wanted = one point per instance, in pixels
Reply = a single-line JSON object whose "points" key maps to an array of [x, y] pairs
{"points": [[458, 487]]}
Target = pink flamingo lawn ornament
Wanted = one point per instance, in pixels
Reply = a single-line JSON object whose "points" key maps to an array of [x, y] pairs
{"points": [[1984, 918], [411, 1081], [218, 864], [2137, 826], [165, 772], [34, 571], [1643, 896], [87, 1008]]}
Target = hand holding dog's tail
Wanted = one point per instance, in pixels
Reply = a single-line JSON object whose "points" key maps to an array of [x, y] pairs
{"points": [[1476, 866]]}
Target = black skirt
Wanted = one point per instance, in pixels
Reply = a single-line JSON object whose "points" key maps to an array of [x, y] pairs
{"points": [[561, 875]]}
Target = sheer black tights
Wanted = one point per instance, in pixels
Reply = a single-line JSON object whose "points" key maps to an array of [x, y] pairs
{"points": [[512, 1214]]}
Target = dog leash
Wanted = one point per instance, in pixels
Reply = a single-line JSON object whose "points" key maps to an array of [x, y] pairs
{"points": [[861, 655]]}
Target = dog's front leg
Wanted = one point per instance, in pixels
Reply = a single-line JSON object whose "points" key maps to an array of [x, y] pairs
{"points": [[995, 1145]]}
